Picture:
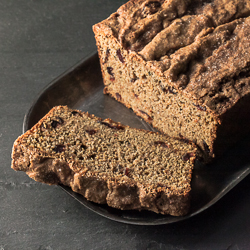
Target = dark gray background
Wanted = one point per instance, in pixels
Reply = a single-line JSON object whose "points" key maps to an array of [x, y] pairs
{"points": [[39, 40]]}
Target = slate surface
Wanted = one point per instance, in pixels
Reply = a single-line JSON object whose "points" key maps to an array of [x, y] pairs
{"points": [[39, 40]]}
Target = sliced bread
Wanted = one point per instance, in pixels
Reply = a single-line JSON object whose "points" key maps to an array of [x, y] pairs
{"points": [[108, 162]]}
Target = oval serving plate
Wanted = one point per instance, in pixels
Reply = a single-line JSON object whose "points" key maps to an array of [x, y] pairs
{"points": [[81, 87]]}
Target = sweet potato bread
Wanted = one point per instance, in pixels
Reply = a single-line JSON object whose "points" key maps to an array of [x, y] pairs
{"points": [[108, 162], [182, 65]]}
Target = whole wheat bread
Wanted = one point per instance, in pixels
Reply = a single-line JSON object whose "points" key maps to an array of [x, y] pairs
{"points": [[182, 65], [108, 162]]}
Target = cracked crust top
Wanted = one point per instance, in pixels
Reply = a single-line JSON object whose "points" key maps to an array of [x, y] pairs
{"points": [[201, 47]]}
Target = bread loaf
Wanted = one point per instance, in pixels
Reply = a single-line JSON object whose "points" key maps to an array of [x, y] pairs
{"points": [[183, 66]]}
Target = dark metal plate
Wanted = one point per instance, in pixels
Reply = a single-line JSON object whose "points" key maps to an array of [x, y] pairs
{"points": [[81, 88]]}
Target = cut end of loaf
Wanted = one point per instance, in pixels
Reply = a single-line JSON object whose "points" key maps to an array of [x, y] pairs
{"points": [[108, 162]]}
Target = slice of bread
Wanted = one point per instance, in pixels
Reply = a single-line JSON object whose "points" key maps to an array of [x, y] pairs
{"points": [[108, 162]]}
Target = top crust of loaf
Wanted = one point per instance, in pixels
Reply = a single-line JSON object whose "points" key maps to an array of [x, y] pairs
{"points": [[201, 47]]}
